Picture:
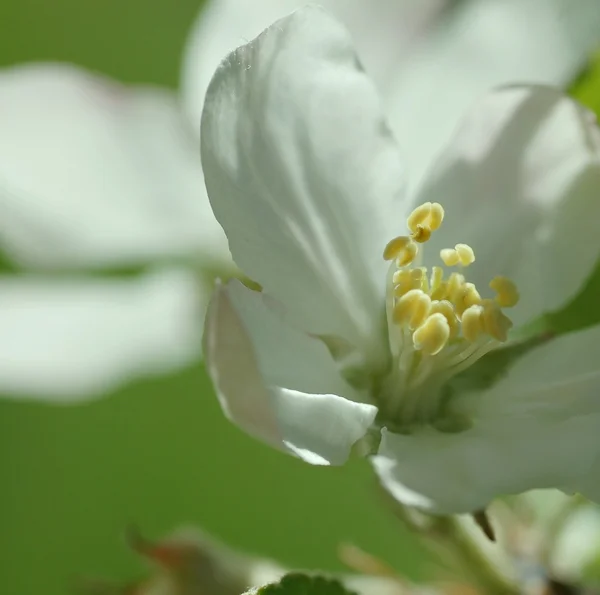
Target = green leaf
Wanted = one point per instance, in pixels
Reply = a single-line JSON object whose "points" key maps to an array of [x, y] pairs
{"points": [[586, 88], [302, 584]]}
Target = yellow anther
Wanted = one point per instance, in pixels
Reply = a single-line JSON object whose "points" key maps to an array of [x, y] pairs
{"points": [[406, 279], [436, 216], [395, 247], [438, 310], [432, 336], [455, 286], [422, 234], [465, 296], [507, 293], [401, 276], [423, 279], [440, 292], [437, 274], [465, 254], [495, 322], [403, 288], [445, 308], [407, 254], [412, 309], [472, 323], [450, 257], [418, 217], [471, 296]]}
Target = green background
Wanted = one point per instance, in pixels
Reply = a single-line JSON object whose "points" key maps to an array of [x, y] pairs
{"points": [[159, 453]]}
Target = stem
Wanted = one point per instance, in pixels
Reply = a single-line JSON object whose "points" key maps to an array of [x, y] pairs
{"points": [[447, 538], [446, 531]]}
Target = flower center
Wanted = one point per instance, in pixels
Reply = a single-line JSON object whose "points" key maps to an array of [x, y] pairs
{"points": [[438, 323]]}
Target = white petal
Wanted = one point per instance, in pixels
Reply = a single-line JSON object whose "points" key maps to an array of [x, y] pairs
{"points": [[303, 174], [478, 46], [537, 428], [519, 183], [278, 384], [94, 173], [383, 34], [70, 340]]}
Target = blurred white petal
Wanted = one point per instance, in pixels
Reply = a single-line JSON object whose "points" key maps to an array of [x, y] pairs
{"points": [[480, 45], [429, 59], [383, 34], [95, 173], [69, 340]]}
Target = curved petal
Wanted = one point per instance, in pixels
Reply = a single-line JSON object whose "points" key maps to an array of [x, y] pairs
{"points": [[537, 428], [519, 183], [278, 384], [93, 173], [303, 174], [71, 340], [478, 46], [383, 34]]}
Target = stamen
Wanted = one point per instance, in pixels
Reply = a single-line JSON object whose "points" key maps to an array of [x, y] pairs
{"points": [[404, 281], [450, 257], [407, 254], [437, 274], [432, 336], [421, 234], [507, 293], [495, 322], [395, 246], [441, 292], [436, 216], [471, 323], [461, 254], [412, 309], [455, 285], [423, 279], [425, 219], [433, 315], [445, 308], [465, 296], [418, 217], [465, 254]]}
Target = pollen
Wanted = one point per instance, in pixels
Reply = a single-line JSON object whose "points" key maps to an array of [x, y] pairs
{"points": [[495, 322], [449, 257], [446, 309], [425, 218], [434, 311], [431, 337], [461, 254], [407, 254], [472, 323], [507, 294], [465, 254], [395, 247], [412, 309]]}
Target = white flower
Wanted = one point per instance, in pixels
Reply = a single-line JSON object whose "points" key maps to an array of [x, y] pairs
{"points": [[94, 174], [308, 183]]}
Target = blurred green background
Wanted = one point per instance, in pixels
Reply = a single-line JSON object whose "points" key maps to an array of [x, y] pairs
{"points": [[158, 453]]}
